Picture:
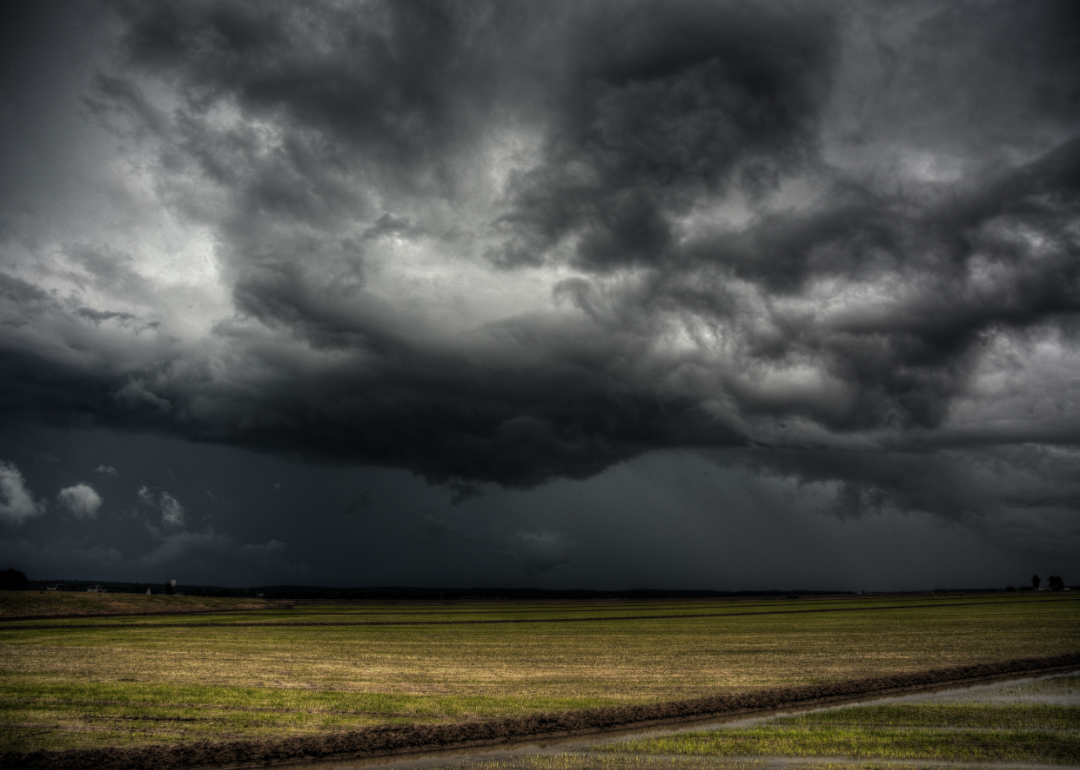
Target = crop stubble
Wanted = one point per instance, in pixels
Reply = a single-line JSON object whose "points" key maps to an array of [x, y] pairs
{"points": [[84, 688]]}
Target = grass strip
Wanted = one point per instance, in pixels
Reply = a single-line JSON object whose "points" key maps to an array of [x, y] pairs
{"points": [[866, 743], [605, 762], [975, 716]]}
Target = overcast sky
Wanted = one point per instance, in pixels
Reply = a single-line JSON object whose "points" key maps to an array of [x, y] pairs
{"points": [[724, 295]]}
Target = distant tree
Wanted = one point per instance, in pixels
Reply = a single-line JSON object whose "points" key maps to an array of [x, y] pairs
{"points": [[1035, 582], [168, 589], [12, 580], [1055, 583]]}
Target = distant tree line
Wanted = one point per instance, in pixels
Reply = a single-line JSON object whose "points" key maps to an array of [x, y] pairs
{"points": [[406, 593], [1053, 582], [13, 580], [127, 587]]}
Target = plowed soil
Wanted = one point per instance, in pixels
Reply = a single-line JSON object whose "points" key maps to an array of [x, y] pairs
{"points": [[401, 739]]}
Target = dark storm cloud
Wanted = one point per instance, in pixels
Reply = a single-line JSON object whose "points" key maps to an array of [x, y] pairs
{"points": [[1023, 499], [871, 482], [906, 359], [751, 223], [665, 104]]}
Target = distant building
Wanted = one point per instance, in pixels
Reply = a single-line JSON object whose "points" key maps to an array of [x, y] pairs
{"points": [[97, 590], [52, 588]]}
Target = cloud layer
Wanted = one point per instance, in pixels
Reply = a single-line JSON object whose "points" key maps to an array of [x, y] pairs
{"points": [[511, 243]]}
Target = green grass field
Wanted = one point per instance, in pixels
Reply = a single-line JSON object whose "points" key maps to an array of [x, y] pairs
{"points": [[163, 679], [951, 731]]}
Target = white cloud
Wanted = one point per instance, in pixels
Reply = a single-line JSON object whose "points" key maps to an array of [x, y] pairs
{"points": [[172, 512], [16, 503], [81, 500], [106, 470]]}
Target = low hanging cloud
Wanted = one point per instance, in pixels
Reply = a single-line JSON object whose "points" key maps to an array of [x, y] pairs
{"points": [[81, 500], [510, 243], [192, 547], [541, 551], [17, 504], [182, 546]]}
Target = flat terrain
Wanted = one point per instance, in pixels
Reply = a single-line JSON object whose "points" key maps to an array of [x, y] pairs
{"points": [[1031, 723], [177, 679], [66, 604]]}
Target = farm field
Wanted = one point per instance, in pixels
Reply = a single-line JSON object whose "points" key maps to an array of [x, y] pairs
{"points": [[1034, 722], [312, 670], [126, 609], [64, 604]]}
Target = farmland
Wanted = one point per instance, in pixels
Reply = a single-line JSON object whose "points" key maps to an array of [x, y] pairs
{"points": [[951, 729], [64, 604], [81, 683]]}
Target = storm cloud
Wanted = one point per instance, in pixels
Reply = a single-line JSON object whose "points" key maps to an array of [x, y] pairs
{"points": [[504, 244]]}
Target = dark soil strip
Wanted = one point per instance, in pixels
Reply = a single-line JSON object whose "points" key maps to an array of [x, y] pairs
{"points": [[399, 739], [495, 621], [705, 604], [486, 609]]}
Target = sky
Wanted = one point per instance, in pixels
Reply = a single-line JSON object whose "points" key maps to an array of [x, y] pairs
{"points": [[684, 295]]}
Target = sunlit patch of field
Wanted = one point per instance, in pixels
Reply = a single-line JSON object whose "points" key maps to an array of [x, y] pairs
{"points": [[109, 685]]}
